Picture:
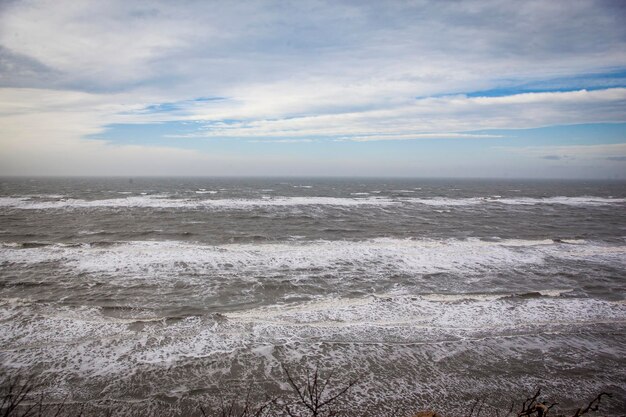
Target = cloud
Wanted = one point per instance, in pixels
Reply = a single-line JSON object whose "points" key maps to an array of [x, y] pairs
{"points": [[390, 47], [298, 71], [435, 117], [282, 141]]}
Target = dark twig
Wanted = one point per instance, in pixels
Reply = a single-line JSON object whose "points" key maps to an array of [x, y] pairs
{"points": [[314, 396], [593, 405], [528, 405], [16, 392]]}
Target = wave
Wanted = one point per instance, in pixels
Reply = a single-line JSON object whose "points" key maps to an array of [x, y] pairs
{"points": [[165, 202], [357, 199], [384, 320], [453, 298], [434, 315], [523, 201], [569, 201], [366, 258]]}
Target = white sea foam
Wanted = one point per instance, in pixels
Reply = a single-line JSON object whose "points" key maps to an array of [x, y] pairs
{"points": [[368, 258], [417, 313], [158, 201], [358, 199], [525, 201], [569, 201], [461, 297], [442, 201], [82, 339]]}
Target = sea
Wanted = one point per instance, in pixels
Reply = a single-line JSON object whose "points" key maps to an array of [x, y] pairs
{"points": [[155, 296]]}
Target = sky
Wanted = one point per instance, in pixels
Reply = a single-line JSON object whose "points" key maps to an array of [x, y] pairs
{"points": [[497, 88]]}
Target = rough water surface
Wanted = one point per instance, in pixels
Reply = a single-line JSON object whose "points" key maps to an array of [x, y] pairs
{"points": [[153, 294]]}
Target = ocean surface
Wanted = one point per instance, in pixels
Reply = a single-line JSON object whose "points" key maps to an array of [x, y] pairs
{"points": [[152, 296]]}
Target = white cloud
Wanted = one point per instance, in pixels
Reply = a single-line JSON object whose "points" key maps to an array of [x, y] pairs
{"points": [[282, 141], [434, 117], [45, 128]]}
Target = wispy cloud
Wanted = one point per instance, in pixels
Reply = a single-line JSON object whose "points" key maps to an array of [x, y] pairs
{"points": [[428, 118]]}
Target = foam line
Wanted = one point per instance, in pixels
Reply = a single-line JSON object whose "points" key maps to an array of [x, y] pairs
{"points": [[359, 199], [523, 201], [377, 256], [102, 345], [164, 202]]}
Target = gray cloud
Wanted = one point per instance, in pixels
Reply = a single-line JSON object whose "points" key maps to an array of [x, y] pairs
{"points": [[119, 44], [21, 71]]}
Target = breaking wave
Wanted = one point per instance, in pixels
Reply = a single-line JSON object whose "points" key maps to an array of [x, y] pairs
{"points": [[358, 199], [374, 257]]}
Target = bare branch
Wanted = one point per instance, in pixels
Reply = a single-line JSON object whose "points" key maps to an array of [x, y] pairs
{"points": [[527, 405], [593, 405], [314, 396]]}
